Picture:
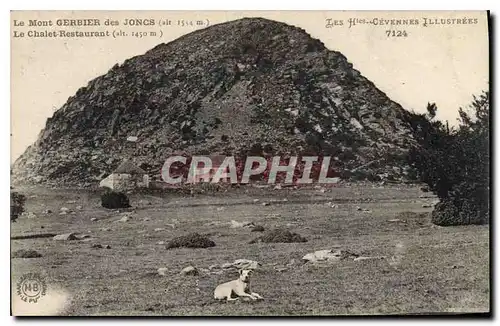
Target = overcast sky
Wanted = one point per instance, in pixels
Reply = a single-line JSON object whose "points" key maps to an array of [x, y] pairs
{"points": [[445, 64]]}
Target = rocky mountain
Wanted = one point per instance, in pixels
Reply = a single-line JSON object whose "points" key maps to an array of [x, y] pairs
{"points": [[235, 88]]}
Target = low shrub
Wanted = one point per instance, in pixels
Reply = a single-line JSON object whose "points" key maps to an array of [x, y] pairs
{"points": [[114, 200], [192, 240]]}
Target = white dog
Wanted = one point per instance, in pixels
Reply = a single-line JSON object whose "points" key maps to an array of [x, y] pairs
{"points": [[240, 287]]}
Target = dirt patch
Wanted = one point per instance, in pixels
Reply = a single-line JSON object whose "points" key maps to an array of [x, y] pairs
{"points": [[279, 236], [412, 218], [192, 240], [407, 215], [23, 253]]}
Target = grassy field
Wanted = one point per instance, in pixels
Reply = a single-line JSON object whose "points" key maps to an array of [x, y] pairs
{"points": [[427, 269]]}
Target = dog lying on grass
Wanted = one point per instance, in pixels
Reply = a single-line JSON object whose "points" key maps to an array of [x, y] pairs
{"points": [[239, 287]]}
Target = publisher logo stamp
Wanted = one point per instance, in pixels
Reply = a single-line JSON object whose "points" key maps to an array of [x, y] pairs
{"points": [[31, 287]]}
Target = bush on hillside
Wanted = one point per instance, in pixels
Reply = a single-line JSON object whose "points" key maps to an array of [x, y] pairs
{"points": [[17, 201], [454, 163]]}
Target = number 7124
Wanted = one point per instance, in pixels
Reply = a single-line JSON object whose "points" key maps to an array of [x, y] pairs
{"points": [[396, 33]]}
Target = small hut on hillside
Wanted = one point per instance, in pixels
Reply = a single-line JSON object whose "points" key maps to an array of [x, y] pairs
{"points": [[127, 176]]}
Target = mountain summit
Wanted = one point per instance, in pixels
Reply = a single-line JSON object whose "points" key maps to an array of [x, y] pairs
{"points": [[233, 88]]}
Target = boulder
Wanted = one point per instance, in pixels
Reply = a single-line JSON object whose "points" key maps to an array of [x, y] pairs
{"points": [[242, 264], [66, 237], [190, 270], [236, 224], [369, 258], [125, 218], [328, 255]]}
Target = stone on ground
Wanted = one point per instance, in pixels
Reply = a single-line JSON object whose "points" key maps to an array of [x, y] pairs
{"points": [[66, 237], [369, 258], [162, 271], [329, 255], [190, 270], [236, 224], [241, 264]]}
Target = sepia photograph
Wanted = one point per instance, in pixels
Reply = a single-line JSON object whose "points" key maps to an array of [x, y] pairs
{"points": [[250, 163]]}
